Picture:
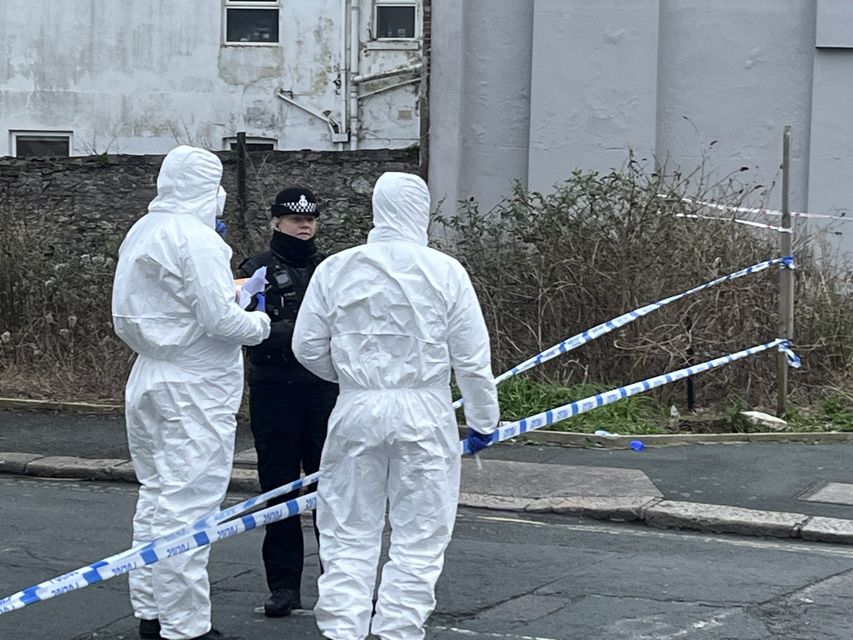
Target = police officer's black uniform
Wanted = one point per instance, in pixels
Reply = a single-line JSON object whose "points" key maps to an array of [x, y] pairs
{"points": [[289, 406]]}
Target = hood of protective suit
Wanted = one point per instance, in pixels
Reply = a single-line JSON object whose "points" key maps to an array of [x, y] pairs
{"points": [[400, 209], [188, 184]]}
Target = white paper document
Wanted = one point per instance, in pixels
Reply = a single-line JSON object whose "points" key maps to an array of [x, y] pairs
{"points": [[255, 284]]}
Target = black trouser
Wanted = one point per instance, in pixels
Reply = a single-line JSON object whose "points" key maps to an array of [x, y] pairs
{"points": [[289, 426]]}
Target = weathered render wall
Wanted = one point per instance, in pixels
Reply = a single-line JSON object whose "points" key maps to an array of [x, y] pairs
{"points": [[665, 78], [140, 76], [94, 200]]}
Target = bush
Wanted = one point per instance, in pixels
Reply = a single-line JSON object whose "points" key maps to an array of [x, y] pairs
{"points": [[56, 337], [548, 266]]}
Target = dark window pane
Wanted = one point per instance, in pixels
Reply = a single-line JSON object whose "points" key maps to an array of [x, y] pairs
{"points": [[395, 22], [41, 146], [256, 146], [252, 25]]}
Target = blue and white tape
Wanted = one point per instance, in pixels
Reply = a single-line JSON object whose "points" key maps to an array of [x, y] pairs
{"points": [[78, 577], [183, 541], [155, 551], [763, 211], [558, 414], [606, 327], [563, 347]]}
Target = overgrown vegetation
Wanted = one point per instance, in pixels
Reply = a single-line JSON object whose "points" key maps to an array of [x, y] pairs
{"points": [[546, 266]]}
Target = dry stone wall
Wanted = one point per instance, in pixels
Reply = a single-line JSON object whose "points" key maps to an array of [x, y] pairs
{"points": [[93, 200]]}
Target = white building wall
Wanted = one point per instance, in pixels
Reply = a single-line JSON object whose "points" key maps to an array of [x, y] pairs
{"points": [[665, 78], [139, 76]]}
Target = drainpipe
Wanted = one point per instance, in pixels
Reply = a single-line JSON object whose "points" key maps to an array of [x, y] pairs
{"points": [[334, 126], [362, 96], [343, 70], [396, 71], [354, 44]]}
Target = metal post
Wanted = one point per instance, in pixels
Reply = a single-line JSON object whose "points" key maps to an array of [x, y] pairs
{"points": [[786, 279], [241, 176], [691, 400]]}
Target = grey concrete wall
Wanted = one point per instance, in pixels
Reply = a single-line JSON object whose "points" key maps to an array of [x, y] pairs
{"points": [[736, 74], [593, 92], [480, 103], [831, 157], [666, 78]]}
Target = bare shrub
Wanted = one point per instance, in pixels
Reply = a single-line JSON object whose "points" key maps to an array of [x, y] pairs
{"points": [[57, 338], [548, 266]]}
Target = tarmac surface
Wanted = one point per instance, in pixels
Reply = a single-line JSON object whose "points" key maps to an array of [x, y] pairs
{"points": [[781, 489]]}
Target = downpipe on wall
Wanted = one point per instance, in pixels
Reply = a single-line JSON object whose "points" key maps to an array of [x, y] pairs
{"points": [[354, 123], [334, 125], [343, 70]]}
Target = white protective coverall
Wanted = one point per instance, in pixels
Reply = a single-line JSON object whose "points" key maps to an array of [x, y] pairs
{"points": [[174, 305], [387, 321]]}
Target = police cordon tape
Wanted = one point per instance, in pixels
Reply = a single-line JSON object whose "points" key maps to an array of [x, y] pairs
{"points": [[563, 347], [626, 318], [59, 582], [749, 223], [566, 411], [552, 352], [756, 210], [177, 543], [546, 355]]}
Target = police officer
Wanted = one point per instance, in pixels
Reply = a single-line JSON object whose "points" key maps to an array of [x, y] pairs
{"points": [[289, 406]]}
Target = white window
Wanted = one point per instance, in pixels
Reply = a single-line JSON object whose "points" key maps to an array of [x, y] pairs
{"points": [[252, 143], [397, 20], [251, 21], [41, 143]]}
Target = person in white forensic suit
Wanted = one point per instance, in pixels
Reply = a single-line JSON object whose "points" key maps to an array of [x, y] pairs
{"points": [[174, 305], [388, 321]]}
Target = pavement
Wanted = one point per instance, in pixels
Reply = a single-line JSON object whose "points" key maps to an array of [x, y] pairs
{"points": [[774, 485]]}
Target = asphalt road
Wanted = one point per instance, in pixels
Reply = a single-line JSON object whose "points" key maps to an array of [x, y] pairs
{"points": [[508, 577]]}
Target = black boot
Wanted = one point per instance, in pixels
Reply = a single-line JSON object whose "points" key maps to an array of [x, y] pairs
{"points": [[149, 629], [282, 602], [213, 634]]}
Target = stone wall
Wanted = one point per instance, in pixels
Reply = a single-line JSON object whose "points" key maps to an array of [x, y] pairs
{"points": [[92, 201]]}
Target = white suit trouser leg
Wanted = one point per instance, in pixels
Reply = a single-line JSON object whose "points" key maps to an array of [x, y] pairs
{"points": [[182, 447], [421, 482], [423, 497], [351, 502]]}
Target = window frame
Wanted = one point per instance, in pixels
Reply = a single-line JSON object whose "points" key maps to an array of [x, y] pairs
{"points": [[377, 4], [249, 4], [227, 141], [14, 134]]}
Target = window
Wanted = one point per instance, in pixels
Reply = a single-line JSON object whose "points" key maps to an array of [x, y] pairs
{"points": [[251, 21], [252, 144], [396, 19], [41, 143]]}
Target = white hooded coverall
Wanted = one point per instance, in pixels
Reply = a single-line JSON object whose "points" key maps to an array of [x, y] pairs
{"points": [[387, 321], [174, 305]]}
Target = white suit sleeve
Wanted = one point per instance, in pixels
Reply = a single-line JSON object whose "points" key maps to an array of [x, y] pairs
{"points": [[312, 338], [210, 293], [470, 357]]}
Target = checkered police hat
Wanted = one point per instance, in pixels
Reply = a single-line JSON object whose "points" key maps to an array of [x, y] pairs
{"points": [[295, 200]]}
